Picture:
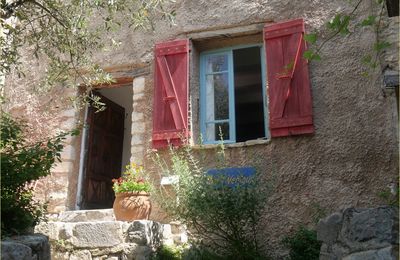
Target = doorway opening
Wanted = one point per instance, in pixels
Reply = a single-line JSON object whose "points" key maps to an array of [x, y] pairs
{"points": [[107, 150]]}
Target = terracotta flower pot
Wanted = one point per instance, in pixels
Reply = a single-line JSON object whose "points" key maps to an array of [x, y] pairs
{"points": [[129, 206]]}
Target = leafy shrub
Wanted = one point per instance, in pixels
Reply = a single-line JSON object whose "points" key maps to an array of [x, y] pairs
{"points": [[169, 253], [21, 163], [303, 244], [132, 180], [224, 217]]}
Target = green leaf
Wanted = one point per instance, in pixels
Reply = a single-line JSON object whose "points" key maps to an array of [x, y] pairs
{"points": [[310, 38], [310, 55], [366, 59], [344, 26], [381, 45], [369, 21], [335, 22]]}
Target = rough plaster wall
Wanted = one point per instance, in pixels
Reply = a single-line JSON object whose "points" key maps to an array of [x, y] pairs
{"points": [[353, 154]]}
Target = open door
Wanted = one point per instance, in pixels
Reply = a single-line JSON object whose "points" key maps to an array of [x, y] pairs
{"points": [[104, 156]]}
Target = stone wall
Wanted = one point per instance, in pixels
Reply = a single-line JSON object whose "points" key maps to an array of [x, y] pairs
{"points": [[95, 234], [360, 233]]}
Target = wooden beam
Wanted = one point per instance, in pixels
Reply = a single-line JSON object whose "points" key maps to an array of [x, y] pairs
{"points": [[232, 31]]}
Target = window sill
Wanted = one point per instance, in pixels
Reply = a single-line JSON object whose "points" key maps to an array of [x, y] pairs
{"points": [[233, 145]]}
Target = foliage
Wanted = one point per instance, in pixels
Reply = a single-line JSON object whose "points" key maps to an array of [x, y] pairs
{"points": [[223, 215], [303, 244], [390, 196], [185, 252], [65, 35], [341, 23], [132, 180], [22, 163], [169, 253]]}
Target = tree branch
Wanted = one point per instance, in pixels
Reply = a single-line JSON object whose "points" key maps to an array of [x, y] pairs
{"points": [[10, 8], [339, 30], [49, 12]]}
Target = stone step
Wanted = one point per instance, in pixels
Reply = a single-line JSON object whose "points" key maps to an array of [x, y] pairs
{"points": [[87, 215]]}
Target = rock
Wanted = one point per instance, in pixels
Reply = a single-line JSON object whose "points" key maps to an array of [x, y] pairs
{"points": [[365, 229], [145, 232], [65, 231], [329, 228], [87, 215], [38, 243], [141, 253], [112, 258], [360, 234], [15, 251], [50, 229], [80, 255], [96, 234], [381, 254]]}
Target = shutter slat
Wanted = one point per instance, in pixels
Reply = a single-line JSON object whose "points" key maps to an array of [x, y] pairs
{"points": [[290, 104], [171, 77]]}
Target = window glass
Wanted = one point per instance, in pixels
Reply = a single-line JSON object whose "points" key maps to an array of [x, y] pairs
{"points": [[214, 131], [232, 103], [217, 96], [217, 63]]}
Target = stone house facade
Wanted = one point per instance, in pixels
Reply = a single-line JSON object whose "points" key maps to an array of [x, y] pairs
{"points": [[328, 138]]}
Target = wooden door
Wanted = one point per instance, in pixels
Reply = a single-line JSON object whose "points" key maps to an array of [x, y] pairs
{"points": [[104, 155]]}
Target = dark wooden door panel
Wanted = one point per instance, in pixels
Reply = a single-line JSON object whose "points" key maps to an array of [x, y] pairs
{"points": [[104, 157]]}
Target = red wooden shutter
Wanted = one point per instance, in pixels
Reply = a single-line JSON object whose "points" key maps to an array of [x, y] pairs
{"points": [[290, 103], [171, 81]]}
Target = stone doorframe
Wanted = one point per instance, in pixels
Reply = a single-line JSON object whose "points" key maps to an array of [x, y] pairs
{"points": [[137, 130]]}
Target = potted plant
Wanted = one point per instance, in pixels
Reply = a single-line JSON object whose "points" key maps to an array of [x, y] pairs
{"points": [[132, 200]]}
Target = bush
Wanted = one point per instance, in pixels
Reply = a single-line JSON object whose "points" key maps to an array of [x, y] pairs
{"points": [[168, 253], [303, 244], [224, 217], [21, 163]]}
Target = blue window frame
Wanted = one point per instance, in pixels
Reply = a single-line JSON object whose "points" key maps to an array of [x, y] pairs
{"points": [[217, 95]]}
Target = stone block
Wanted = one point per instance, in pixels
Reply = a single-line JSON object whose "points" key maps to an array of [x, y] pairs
{"points": [[68, 153], [380, 254], [138, 84], [15, 251], [68, 124], [112, 258], [138, 96], [329, 228], [137, 139], [80, 255], [68, 113], [38, 243], [87, 215], [138, 128], [146, 232], [137, 149], [50, 229], [136, 116], [63, 167], [137, 158], [96, 234], [365, 229], [65, 231], [360, 233], [58, 194]]}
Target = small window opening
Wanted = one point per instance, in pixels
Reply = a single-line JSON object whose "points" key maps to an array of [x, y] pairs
{"points": [[249, 102]]}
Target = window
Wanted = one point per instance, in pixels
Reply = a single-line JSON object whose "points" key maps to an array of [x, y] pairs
{"points": [[232, 95], [233, 98]]}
